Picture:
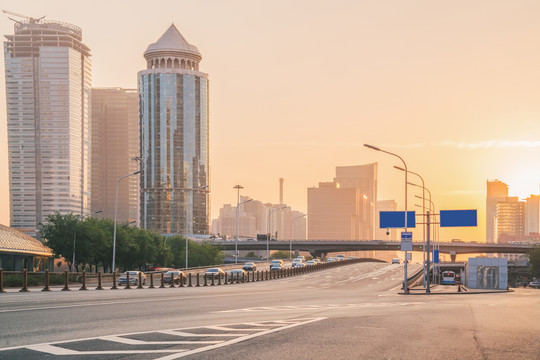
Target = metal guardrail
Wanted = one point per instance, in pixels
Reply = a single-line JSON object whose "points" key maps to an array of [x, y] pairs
{"points": [[83, 280]]}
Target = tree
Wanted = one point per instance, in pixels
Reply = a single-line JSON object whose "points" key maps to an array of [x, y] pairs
{"points": [[534, 261], [281, 254], [59, 234]]}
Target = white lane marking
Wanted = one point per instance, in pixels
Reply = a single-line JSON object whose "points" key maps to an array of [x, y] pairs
{"points": [[237, 340], [54, 350], [128, 341], [319, 307], [224, 328], [187, 334]]}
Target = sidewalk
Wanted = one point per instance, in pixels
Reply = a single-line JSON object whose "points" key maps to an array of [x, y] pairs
{"points": [[451, 290]]}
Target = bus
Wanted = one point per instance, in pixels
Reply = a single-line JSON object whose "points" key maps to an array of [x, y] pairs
{"points": [[448, 278]]}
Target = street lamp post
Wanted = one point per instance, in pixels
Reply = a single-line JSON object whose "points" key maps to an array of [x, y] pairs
{"points": [[268, 231], [290, 240], [187, 241], [75, 231], [405, 166], [236, 240], [115, 212]]}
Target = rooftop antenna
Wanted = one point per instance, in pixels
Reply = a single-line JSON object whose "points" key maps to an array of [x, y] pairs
{"points": [[29, 18]]}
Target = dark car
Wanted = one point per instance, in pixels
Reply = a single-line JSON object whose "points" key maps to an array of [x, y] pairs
{"points": [[249, 266]]}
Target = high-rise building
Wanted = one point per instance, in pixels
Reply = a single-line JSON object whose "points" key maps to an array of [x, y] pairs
{"points": [[532, 214], [48, 82], [344, 209], [496, 191], [509, 218], [335, 213], [363, 178], [115, 152], [173, 101]]}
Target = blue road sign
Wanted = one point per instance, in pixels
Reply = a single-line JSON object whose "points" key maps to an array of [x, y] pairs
{"points": [[435, 256], [453, 218], [406, 240], [396, 219]]}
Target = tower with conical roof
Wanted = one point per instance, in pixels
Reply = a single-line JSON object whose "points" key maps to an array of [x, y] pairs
{"points": [[173, 98]]}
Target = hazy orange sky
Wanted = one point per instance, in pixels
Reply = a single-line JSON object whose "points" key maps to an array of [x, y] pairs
{"points": [[297, 87]]}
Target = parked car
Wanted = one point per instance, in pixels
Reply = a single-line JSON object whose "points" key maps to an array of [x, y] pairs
{"points": [[297, 262], [276, 266], [214, 272], [133, 278], [238, 274], [249, 266], [175, 275], [534, 284]]}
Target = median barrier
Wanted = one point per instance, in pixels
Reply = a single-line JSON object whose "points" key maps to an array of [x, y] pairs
{"points": [[162, 281], [140, 281], [2, 281], [151, 281], [99, 279], [25, 281], [114, 287], [128, 285], [66, 281], [83, 286], [28, 279], [46, 288], [172, 281]]}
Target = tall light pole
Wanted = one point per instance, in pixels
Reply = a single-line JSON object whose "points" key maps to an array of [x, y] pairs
{"points": [[405, 166], [75, 231], [290, 240], [236, 240], [268, 230], [187, 240], [237, 187], [115, 212]]}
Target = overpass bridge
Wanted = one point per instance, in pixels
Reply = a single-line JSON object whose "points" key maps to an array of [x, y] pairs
{"points": [[320, 248]]}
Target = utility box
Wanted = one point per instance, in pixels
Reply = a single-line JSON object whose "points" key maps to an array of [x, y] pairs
{"points": [[486, 273]]}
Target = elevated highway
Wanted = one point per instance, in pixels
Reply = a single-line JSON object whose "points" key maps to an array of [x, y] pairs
{"points": [[322, 247]]}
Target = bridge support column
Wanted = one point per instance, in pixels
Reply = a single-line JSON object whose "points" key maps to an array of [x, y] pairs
{"points": [[453, 256]]}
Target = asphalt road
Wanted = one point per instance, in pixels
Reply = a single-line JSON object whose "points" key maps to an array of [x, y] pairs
{"points": [[351, 312]]}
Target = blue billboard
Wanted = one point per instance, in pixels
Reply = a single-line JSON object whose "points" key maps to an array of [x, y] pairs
{"points": [[452, 218], [396, 219]]}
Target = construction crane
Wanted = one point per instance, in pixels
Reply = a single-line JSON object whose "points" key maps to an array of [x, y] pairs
{"points": [[30, 19]]}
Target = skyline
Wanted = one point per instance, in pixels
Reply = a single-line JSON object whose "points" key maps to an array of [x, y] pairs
{"points": [[291, 98]]}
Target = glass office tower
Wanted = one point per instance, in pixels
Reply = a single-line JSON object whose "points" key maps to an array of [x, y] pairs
{"points": [[48, 79], [173, 102]]}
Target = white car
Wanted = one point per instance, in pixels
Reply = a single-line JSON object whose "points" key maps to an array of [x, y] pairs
{"points": [[297, 262], [133, 278], [310, 263], [395, 261]]}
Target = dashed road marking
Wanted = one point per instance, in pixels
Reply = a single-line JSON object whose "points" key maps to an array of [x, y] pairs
{"points": [[164, 349]]}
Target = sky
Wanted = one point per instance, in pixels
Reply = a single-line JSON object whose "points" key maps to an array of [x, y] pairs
{"points": [[297, 88]]}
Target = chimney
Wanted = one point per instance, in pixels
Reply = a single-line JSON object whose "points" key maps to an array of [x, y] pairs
{"points": [[281, 190]]}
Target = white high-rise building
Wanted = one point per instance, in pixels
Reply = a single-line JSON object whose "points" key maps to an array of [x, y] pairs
{"points": [[48, 82]]}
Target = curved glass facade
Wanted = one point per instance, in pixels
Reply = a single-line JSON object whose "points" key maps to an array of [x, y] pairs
{"points": [[174, 151]]}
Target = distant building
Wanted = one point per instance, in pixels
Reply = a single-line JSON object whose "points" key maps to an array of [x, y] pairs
{"points": [[253, 219], [115, 152], [344, 209], [496, 191], [532, 214], [173, 98], [510, 218], [48, 80]]}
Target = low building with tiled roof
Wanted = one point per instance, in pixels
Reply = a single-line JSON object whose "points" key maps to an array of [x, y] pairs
{"points": [[19, 251]]}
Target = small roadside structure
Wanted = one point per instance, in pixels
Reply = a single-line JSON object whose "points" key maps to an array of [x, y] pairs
{"points": [[19, 251], [486, 273]]}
